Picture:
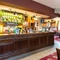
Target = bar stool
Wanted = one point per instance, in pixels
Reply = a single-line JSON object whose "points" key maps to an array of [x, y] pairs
{"points": [[58, 53]]}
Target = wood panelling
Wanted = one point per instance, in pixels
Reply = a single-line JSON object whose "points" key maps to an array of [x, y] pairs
{"points": [[34, 43], [21, 44], [18, 44], [6, 46], [43, 41], [50, 39]]}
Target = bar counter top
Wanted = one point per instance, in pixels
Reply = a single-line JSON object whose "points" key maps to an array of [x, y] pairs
{"points": [[27, 33]]}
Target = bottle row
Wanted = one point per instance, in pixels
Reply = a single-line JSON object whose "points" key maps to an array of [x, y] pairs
{"points": [[10, 17]]}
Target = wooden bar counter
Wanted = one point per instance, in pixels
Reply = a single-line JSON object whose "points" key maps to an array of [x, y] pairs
{"points": [[11, 45]]}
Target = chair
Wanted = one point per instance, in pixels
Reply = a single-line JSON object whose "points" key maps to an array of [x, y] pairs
{"points": [[58, 53]]}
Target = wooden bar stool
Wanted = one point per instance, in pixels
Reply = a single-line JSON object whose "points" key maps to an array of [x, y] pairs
{"points": [[58, 53]]}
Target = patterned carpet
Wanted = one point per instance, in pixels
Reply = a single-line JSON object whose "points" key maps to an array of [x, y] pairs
{"points": [[52, 56], [56, 38]]}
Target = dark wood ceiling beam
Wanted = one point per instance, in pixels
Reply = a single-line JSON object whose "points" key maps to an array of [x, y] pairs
{"points": [[33, 6]]}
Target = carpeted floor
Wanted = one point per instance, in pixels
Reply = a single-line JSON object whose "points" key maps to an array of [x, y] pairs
{"points": [[52, 56], [56, 38]]}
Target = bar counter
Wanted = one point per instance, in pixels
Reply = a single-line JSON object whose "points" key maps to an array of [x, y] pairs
{"points": [[11, 44]]}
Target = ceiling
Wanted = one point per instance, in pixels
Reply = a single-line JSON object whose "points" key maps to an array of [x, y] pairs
{"points": [[50, 3]]}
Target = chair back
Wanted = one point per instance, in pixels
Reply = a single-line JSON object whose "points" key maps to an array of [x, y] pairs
{"points": [[58, 53]]}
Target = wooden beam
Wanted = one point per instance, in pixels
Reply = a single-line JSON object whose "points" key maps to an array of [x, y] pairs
{"points": [[31, 6]]}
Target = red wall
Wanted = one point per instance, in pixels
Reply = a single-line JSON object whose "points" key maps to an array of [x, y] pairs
{"points": [[34, 6]]}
